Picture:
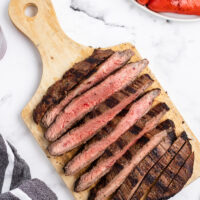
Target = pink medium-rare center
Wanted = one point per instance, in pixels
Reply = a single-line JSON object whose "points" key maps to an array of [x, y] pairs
{"points": [[83, 104], [106, 68]]}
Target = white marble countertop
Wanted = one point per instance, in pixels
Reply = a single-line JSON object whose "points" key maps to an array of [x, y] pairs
{"points": [[172, 48]]}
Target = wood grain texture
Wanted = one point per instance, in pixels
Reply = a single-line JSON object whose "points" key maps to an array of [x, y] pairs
{"points": [[59, 53]]}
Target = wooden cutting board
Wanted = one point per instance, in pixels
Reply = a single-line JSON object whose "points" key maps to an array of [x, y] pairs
{"points": [[59, 53]]}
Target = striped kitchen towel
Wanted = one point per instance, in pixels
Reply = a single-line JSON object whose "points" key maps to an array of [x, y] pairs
{"points": [[15, 177]]}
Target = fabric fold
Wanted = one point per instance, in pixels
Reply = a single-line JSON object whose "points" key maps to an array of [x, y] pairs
{"points": [[15, 177]]}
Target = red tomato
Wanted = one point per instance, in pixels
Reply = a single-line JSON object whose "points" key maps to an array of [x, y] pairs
{"points": [[143, 2], [190, 7]]}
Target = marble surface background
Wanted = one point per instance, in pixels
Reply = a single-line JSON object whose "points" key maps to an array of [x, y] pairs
{"points": [[172, 48]]}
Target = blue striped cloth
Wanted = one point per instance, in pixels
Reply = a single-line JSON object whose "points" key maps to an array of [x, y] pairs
{"points": [[15, 177]]}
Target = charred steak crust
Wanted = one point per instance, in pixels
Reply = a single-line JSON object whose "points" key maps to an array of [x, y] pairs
{"points": [[135, 177], [180, 179], [118, 148], [114, 180], [157, 169], [167, 125], [70, 79], [170, 172]]}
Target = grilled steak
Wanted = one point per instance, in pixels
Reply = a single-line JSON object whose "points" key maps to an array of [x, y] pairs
{"points": [[70, 79], [98, 118], [167, 125], [127, 166], [170, 172], [180, 179], [118, 148], [134, 179], [157, 169], [96, 148], [87, 101], [110, 65]]}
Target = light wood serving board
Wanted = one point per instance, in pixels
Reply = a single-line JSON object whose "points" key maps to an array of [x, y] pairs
{"points": [[59, 53]]}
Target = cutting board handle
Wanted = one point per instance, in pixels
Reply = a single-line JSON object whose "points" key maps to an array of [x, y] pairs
{"points": [[43, 29]]}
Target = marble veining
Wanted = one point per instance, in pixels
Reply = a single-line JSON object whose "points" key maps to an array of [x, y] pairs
{"points": [[5, 98], [75, 6], [171, 47]]}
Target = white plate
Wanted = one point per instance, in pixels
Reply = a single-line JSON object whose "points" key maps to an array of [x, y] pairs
{"points": [[169, 16]]}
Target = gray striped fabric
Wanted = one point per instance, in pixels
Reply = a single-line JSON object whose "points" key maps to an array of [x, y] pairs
{"points": [[15, 177]]}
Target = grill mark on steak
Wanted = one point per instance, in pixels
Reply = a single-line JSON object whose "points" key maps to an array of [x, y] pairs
{"points": [[135, 130], [180, 179], [101, 115], [60, 88], [121, 143], [167, 125], [133, 180], [118, 148], [83, 104], [113, 182], [169, 173], [157, 169], [128, 154], [114, 62], [111, 102], [119, 165], [96, 148]]}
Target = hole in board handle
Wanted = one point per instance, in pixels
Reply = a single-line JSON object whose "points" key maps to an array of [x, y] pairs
{"points": [[30, 10]]}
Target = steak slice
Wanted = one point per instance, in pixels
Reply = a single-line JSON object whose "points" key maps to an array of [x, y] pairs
{"points": [[125, 167], [167, 125], [134, 179], [170, 172], [99, 117], [118, 148], [83, 104], [157, 169], [180, 179], [97, 147], [70, 79], [114, 62]]}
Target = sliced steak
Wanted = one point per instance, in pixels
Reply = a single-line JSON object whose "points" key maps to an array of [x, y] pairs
{"points": [[99, 117], [125, 167], [87, 101], [157, 169], [118, 148], [115, 61], [167, 125], [134, 179], [170, 172], [96, 148], [70, 79], [180, 179]]}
